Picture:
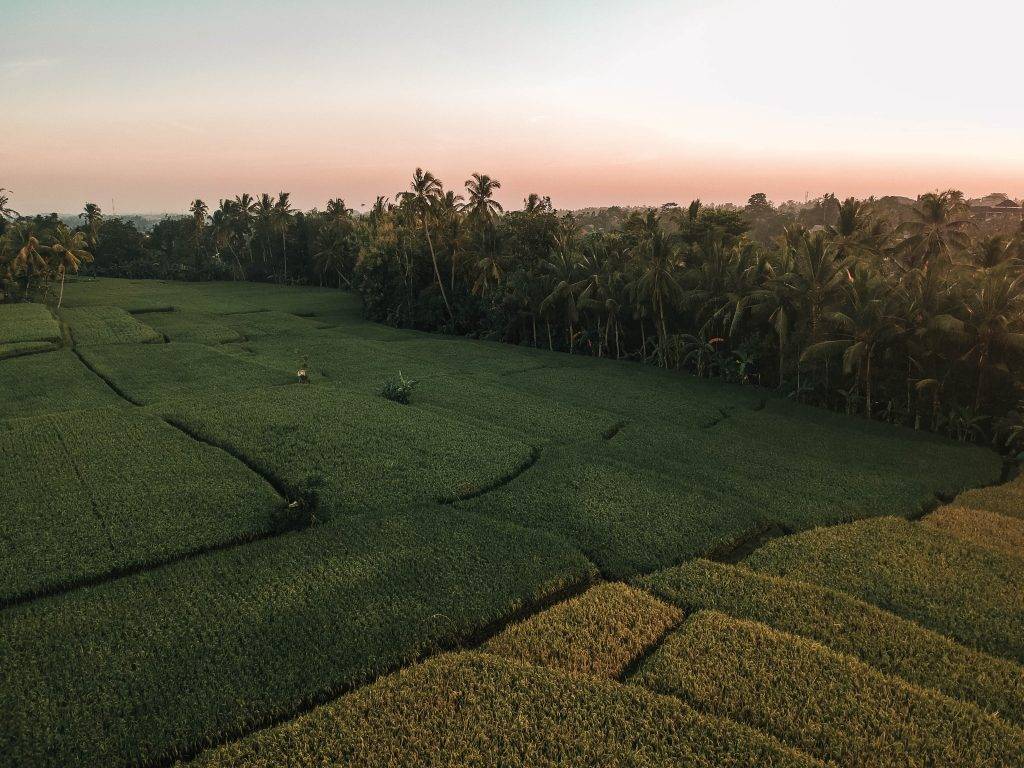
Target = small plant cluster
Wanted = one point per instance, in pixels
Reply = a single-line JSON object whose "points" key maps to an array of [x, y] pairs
{"points": [[399, 390]]}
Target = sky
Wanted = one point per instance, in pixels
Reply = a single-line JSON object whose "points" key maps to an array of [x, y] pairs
{"points": [[145, 105]]}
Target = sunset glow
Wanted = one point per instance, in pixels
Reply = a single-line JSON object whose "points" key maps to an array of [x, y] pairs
{"points": [[153, 104]]}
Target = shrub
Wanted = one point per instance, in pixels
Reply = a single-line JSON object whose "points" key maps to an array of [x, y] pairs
{"points": [[214, 646], [400, 390], [972, 594], [828, 704], [845, 624], [984, 529], [598, 633], [481, 710]]}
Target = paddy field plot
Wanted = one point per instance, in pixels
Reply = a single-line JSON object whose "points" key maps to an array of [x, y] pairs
{"points": [[203, 558]]}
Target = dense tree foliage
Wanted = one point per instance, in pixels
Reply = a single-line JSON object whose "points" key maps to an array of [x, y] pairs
{"points": [[912, 313]]}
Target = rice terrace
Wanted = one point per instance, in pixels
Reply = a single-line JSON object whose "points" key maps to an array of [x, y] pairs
{"points": [[511, 385], [206, 559]]}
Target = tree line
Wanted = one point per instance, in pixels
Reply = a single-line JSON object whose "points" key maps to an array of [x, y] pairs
{"points": [[912, 314]]}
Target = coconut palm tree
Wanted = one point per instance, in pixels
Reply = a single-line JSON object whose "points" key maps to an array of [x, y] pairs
{"points": [[199, 211], [994, 323], [656, 283], [940, 228], [481, 205], [265, 208], [423, 190], [562, 268], [281, 221], [93, 217], [870, 318], [6, 212], [245, 211], [28, 260], [69, 251]]}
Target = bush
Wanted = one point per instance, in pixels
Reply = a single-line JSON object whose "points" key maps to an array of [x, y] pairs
{"points": [[481, 710], [845, 624], [598, 633], [972, 594], [400, 390], [827, 704]]}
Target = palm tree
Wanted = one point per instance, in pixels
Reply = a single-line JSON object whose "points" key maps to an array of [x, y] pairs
{"points": [[29, 255], [481, 206], [486, 246], [245, 211], [69, 249], [6, 212], [561, 267], [93, 217], [990, 252], [534, 203], [656, 284], [282, 221], [265, 207], [199, 210], [423, 190], [994, 322], [870, 319], [938, 230]]}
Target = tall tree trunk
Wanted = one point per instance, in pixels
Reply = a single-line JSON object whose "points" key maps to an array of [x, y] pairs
{"points": [[533, 318], [284, 252], [551, 345], [437, 271], [867, 382], [61, 297]]}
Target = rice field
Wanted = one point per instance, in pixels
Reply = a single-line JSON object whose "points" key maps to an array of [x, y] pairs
{"points": [[204, 561]]}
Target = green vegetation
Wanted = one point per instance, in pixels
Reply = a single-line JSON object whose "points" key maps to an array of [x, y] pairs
{"points": [[827, 704], [909, 312], [189, 326], [213, 646], [476, 709], [847, 625], [27, 322], [107, 325], [1006, 499], [373, 456], [984, 529], [221, 548], [598, 633], [52, 382], [183, 496], [972, 594], [147, 373]]}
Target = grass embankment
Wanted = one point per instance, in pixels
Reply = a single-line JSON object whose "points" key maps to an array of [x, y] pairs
{"points": [[597, 633], [72, 517], [213, 647], [830, 705], [982, 528], [482, 710], [972, 594], [889, 643]]}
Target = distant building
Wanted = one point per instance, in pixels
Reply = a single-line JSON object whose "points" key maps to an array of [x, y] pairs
{"points": [[996, 205]]}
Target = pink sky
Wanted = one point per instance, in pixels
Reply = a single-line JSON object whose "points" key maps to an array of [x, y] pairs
{"points": [[597, 103]]}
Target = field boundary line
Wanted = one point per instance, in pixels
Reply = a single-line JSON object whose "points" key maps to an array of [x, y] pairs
{"points": [[471, 641]]}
